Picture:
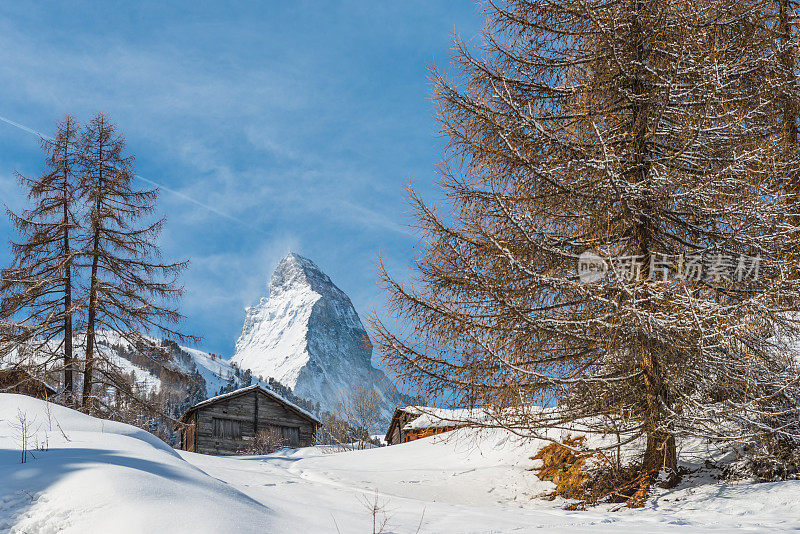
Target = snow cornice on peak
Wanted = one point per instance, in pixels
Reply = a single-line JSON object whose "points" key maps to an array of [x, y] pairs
{"points": [[296, 271]]}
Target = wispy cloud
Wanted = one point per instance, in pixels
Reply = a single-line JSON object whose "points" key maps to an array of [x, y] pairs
{"points": [[219, 286], [162, 187], [263, 131]]}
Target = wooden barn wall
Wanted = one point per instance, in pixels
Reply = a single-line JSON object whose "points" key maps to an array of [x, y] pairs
{"points": [[188, 437], [243, 409], [398, 434], [395, 437], [419, 433], [271, 412]]}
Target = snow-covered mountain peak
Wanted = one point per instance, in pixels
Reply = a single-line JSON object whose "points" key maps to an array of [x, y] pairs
{"points": [[307, 335], [294, 271]]}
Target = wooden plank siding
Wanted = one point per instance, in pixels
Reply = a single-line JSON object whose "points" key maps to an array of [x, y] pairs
{"points": [[419, 433], [254, 410], [188, 435]]}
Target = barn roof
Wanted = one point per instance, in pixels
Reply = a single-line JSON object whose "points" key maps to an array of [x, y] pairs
{"points": [[446, 417], [241, 391], [52, 390]]}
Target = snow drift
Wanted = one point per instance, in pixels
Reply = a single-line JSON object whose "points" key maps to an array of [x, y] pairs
{"points": [[93, 475]]}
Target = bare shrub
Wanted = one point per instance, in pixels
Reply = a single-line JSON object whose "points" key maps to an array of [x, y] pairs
{"points": [[23, 432], [767, 461], [335, 431], [266, 442], [361, 409], [378, 508], [349, 427]]}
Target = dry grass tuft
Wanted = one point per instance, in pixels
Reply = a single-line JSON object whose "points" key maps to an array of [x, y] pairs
{"points": [[567, 469], [564, 467]]}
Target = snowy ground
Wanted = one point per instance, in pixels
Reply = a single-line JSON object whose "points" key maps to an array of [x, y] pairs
{"points": [[103, 477], [100, 476]]}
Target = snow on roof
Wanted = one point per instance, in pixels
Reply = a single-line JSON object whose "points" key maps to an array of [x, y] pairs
{"points": [[430, 417], [250, 388]]}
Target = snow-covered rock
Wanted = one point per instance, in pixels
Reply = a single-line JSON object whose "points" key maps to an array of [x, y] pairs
{"points": [[307, 335]]}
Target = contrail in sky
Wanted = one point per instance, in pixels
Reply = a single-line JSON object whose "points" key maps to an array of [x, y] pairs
{"points": [[178, 194], [22, 127]]}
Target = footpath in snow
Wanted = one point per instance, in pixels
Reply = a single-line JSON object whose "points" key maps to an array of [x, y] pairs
{"points": [[479, 484], [104, 477]]}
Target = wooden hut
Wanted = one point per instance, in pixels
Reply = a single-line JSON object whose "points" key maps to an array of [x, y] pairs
{"points": [[408, 425], [22, 382], [223, 425]]}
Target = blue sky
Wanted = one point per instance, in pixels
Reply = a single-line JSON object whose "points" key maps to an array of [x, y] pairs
{"points": [[304, 120]]}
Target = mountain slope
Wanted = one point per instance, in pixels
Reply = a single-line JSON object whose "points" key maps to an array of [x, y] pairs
{"points": [[307, 335]]}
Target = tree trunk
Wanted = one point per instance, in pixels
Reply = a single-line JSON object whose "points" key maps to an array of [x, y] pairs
{"points": [[660, 452], [67, 286], [67, 310], [90, 331], [92, 311], [789, 124]]}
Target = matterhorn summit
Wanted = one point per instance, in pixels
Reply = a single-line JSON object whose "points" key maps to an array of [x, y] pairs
{"points": [[307, 335]]}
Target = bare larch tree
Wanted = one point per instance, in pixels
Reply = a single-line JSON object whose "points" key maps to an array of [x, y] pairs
{"points": [[130, 291], [37, 288], [640, 131]]}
